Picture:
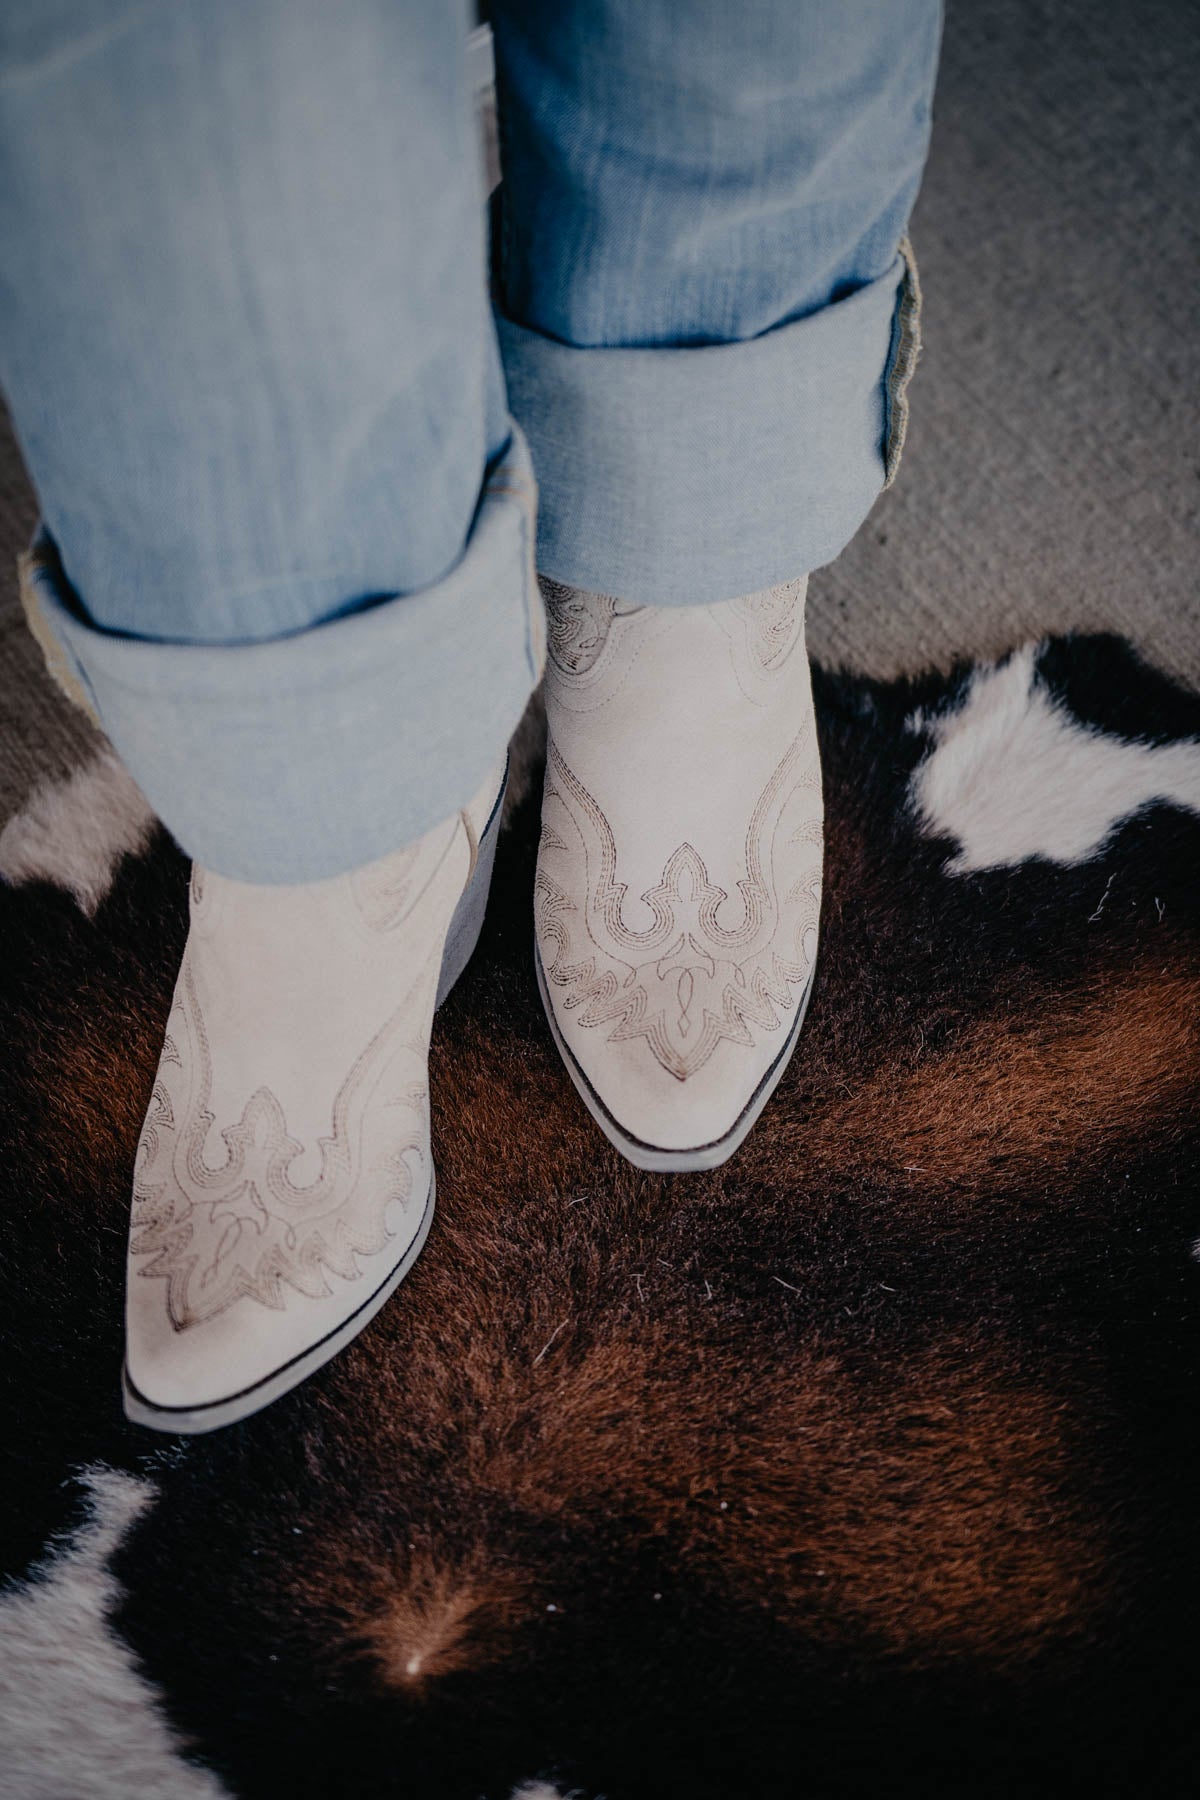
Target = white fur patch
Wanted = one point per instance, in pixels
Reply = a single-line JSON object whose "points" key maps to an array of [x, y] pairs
{"points": [[1013, 775], [76, 1715], [74, 832], [538, 1790]]}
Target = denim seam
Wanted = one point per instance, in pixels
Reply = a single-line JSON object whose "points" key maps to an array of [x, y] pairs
{"points": [[525, 494], [525, 558], [506, 253]]}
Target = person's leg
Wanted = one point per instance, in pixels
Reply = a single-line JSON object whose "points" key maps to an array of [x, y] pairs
{"points": [[707, 321], [699, 279], [245, 339], [288, 553]]}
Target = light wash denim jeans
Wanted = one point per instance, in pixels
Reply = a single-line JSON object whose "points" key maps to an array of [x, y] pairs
{"points": [[280, 416]]}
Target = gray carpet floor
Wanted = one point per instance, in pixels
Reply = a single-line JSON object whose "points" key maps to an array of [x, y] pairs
{"points": [[1052, 475]]}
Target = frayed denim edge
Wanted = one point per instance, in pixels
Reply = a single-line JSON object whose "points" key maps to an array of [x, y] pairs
{"points": [[39, 565], [902, 360]]}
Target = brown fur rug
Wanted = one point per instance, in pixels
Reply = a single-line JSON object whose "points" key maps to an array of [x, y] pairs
{"points": [[864, 1465]]}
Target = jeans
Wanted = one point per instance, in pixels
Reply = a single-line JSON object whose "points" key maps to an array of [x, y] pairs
{"points": [[282, 397]]}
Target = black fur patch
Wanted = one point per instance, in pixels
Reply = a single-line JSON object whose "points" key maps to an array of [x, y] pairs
{"points": [[1104, 682]]}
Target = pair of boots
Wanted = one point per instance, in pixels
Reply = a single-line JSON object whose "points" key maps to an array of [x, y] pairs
{"points": [[284, 1183]]}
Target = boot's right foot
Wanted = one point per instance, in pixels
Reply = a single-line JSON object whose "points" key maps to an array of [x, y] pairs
{"points": [[679, 873]]}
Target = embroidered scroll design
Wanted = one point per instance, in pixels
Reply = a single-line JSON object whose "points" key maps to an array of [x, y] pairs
{"points": [[578, 626], [240, 1228], [694, 976]]}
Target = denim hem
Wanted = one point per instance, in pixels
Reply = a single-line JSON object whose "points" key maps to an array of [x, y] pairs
{"points": [[299, 758], [684, 476]]}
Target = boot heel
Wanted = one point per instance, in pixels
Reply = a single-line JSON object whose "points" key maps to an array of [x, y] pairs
{"points": [[467, 922]]}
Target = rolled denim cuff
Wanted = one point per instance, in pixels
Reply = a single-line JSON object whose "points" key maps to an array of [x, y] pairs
{"points": [[301, 757], [684, 476]]}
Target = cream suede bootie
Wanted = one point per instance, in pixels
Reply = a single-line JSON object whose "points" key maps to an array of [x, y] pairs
{"points": [[679, 874], [284, 1184]]}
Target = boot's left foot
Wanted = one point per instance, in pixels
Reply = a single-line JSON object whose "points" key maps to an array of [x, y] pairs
{"points": [[679, 873], [284, 1181]]}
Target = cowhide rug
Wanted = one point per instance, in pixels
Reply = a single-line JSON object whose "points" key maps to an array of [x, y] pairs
{"points": [[865, 1465]]}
